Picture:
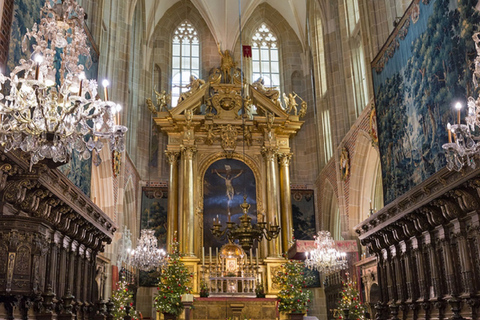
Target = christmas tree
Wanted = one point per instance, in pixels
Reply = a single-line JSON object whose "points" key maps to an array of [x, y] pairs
{"points": [[173, 282], [350, 306], [293, 297], [122, 299]]}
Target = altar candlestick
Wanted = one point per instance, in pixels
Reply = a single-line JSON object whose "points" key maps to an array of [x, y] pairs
{"points": [[210, 252], [251, 256], [216, 255], [256, 256], [203, 257]]}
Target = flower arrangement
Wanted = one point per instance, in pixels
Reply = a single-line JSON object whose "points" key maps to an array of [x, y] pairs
{"points": [[122, 300], [350, 306], [259, 290], [203, 289], [173, 282], [293, 297]]}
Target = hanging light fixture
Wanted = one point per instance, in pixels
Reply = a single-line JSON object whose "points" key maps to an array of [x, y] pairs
{"points": [[147, 256], [462, 149], [49, 112], [325, 258]]}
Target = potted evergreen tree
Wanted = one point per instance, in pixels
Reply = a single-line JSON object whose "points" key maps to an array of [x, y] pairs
{"points": [[173, 282], [293, 298], [350, 305]]}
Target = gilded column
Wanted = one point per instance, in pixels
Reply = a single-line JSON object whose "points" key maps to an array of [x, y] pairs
{"points": [[172, 213], [286, 200], [188, 226], [270, 155]]}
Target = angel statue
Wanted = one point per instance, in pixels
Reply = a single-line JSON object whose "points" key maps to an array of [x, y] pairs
{"points": [[290, 102], [303, 109], [162, 99], [151, 106]]}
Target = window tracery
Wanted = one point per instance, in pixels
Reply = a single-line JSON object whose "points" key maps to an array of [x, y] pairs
{"points": [[265, 56]]}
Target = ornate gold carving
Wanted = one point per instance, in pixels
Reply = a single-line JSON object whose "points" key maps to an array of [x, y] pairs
{"points": [[229, 137]]}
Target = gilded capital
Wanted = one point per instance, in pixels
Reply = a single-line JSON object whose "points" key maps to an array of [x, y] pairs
{"points": [[172, 156], [269, 153], [284, 159], [189, 152]]}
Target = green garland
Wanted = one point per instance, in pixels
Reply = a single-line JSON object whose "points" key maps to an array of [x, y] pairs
{"points": [[173, 282], [293, 297]]}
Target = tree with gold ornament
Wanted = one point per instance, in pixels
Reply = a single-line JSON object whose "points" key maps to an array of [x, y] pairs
{"points": [[293, 296], [350, 305], [173, 282], [122, 299]]}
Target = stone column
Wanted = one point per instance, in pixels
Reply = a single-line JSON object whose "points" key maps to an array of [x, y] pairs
{"points": [[270, 155], [286, 200], [172, 213], [188, 226]]}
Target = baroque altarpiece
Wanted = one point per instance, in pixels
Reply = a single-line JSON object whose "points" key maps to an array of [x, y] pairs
{"points": [[227, 139]]}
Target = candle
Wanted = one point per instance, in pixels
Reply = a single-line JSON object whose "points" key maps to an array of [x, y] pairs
{"points": [[105, 84], [38, 60], [203, 256], [449, 129], [458, 106], [216, 255], [210, 254], [256, 256], [251, 256], [275, 221], [228, 216]]}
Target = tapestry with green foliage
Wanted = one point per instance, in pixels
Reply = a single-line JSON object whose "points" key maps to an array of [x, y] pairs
{"points": [[293, 296], [174, 281], [122, 300], [350, 305], [419, 75], [154, 216]]}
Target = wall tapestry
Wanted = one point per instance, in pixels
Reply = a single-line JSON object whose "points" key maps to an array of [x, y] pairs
{"points": [[418, 76], [26, 14], [154, 216], [225, 183]]}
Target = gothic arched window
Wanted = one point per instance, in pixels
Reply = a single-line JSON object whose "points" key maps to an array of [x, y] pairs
{"points": [[185, 58], [265, 57]]}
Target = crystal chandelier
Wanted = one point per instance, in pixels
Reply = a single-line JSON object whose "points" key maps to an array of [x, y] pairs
{"points": [[245, 232], [147, 256], [460, 150], [49, 113], [325, 258]]}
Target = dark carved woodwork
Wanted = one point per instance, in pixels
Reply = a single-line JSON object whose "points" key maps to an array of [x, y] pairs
{"points": [[427, 244], [50, 235]]}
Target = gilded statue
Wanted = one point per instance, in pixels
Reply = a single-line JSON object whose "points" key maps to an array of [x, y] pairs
{"points": [[194, 85], [303, 109], [290, 102], [271, 93], [162, 99], [227, 64], [151, 106], [345, 163]]}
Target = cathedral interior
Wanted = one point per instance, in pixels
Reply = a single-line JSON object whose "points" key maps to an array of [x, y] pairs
{"points": [[240, 132]]}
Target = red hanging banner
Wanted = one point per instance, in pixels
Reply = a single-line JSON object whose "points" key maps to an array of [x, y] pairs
{"points": [[247, 51]]}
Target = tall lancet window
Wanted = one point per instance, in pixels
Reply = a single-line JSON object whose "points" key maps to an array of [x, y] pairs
{"points": [[185, 58], [265, 57]]}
